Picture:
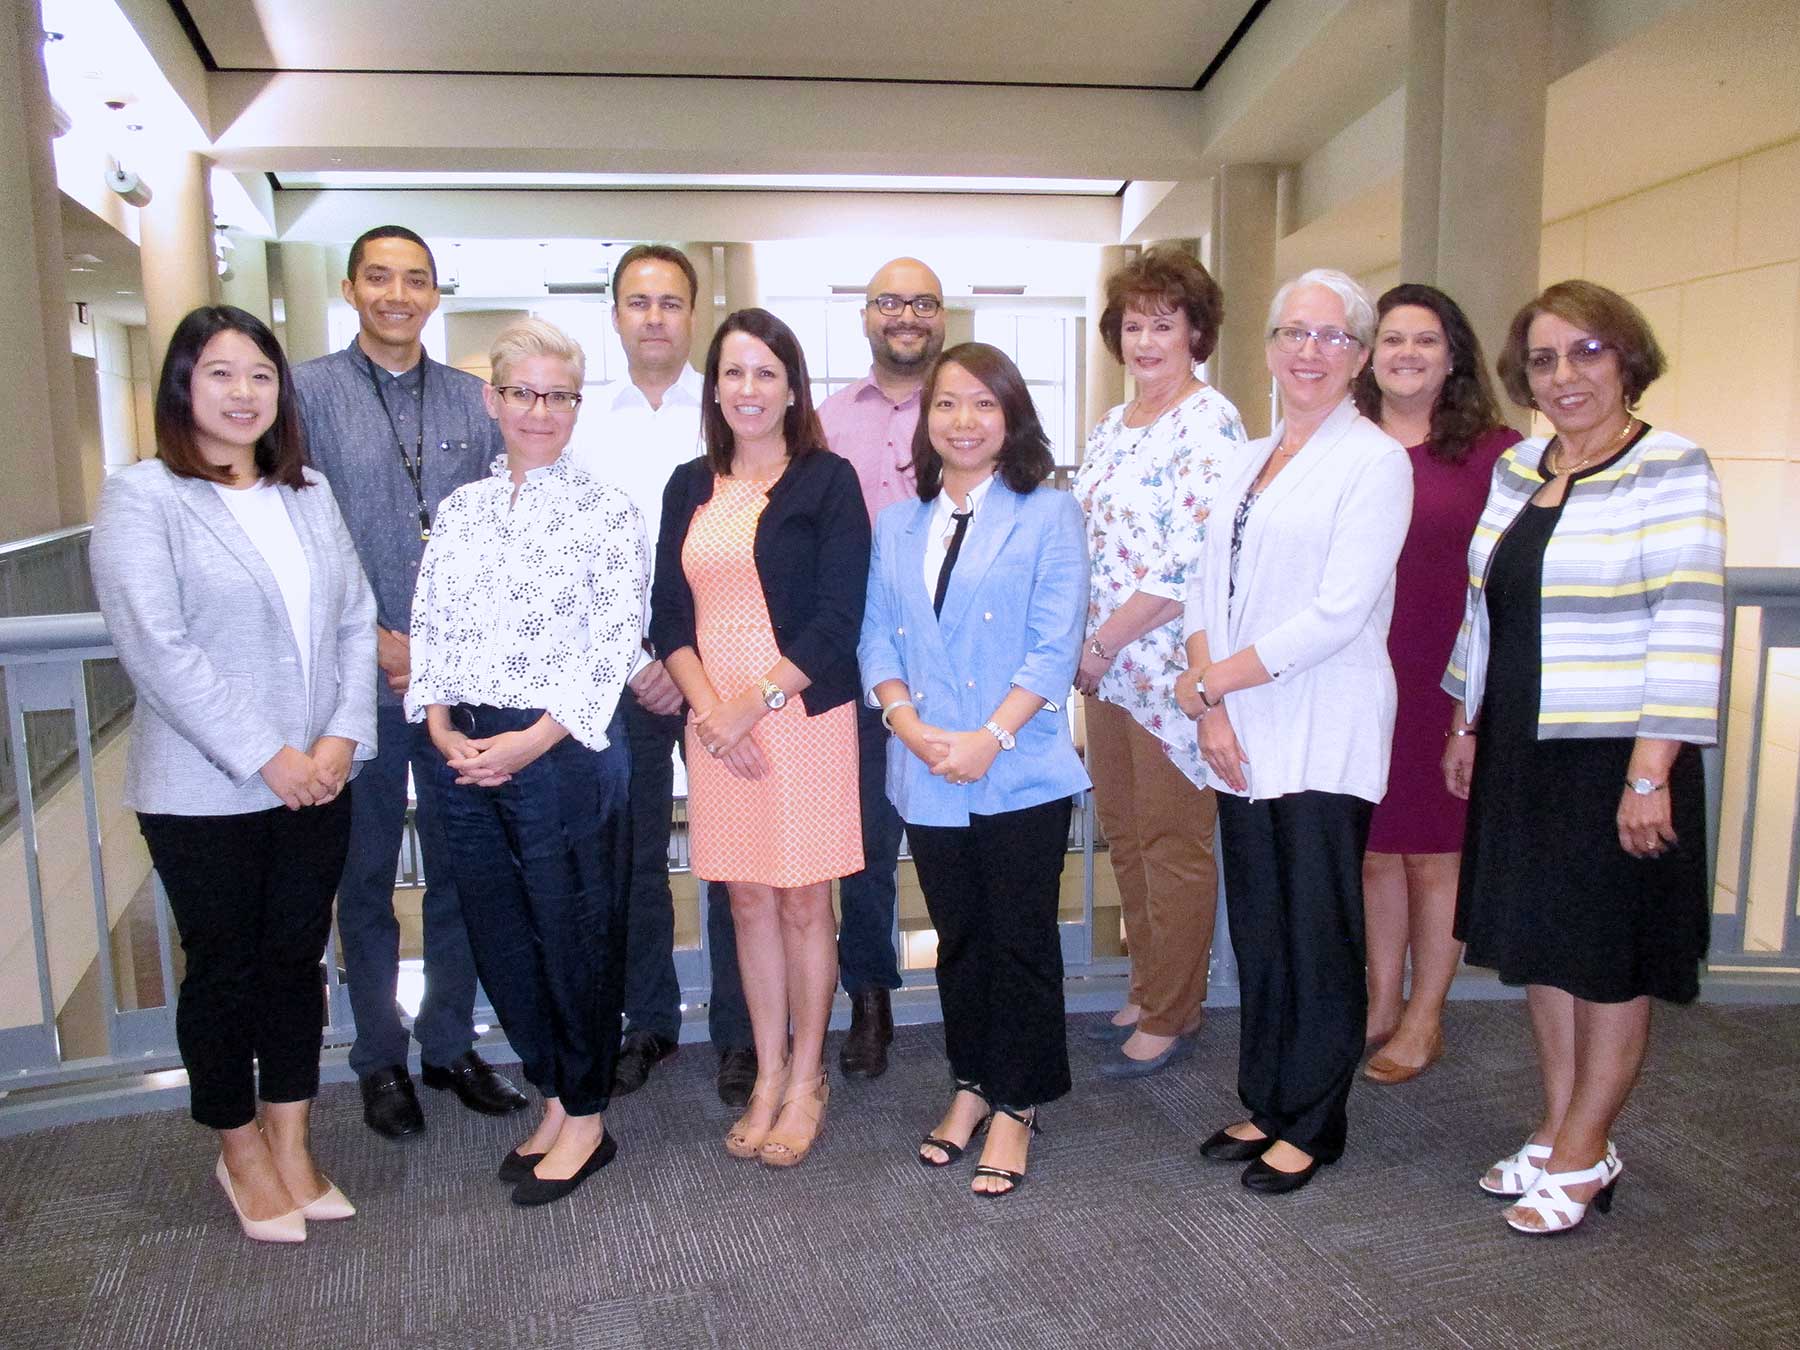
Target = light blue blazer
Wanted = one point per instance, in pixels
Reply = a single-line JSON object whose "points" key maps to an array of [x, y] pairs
{"points": [[1014, 614]]}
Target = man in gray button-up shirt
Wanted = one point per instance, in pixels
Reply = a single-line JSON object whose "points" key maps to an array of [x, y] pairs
{"points": [[395, 433]]}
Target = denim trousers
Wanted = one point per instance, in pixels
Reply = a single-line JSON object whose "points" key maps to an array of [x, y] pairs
{"points": [[545, 865], [366, 924], [652, 991], [251, 898]]}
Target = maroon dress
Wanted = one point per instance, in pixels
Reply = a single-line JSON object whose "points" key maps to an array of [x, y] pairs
{"points": [[1418, 815]]}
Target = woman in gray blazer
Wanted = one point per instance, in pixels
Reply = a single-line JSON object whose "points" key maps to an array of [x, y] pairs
{"points": [[1289, 677], [233, 594]]}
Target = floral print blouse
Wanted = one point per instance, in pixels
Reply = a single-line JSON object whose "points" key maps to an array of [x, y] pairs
{"points": [[1146, 493]]}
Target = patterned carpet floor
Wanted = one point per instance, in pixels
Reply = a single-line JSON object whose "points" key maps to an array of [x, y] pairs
{"points": [[113, 1235]]}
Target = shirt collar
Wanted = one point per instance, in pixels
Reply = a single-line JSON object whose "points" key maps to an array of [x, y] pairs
{"points": [[407, 378], [944, 505], [685, 390], [867, 388], [556, 468]]}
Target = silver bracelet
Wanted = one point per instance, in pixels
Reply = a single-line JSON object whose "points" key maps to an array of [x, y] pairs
{"points": [[887, 712]]}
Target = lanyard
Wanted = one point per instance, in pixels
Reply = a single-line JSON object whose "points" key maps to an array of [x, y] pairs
{"points": [[415, 463]]}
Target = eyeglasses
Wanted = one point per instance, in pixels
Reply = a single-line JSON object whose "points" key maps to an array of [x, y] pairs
{"points": [[894, 305], [1291, 339], [1584, 355], [525, 398]]}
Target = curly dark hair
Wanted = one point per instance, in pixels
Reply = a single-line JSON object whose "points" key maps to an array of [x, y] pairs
{"points": [[280, 451], [1466, 407], [1594, 309], [1025, 458], [800, 425], [1158, 281]]}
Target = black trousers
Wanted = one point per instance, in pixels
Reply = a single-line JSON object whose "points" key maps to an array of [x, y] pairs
{"points": [[543, 863], [992, 888], [251, 897], [1293, 885]]}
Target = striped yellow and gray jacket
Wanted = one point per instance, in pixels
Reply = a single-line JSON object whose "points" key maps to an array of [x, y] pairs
{"points": [[1633, 594]]}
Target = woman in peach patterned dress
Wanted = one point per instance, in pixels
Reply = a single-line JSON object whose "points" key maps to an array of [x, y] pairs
{"points": [[761, 568]]}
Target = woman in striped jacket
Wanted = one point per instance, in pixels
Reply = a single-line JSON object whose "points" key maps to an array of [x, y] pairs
{"points": [[1588, 662]]}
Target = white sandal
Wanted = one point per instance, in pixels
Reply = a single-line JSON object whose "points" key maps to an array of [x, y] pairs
{"points": [[1551, 1202], [1517, 1170]]}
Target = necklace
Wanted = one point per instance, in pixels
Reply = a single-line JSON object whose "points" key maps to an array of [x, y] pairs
{"points": [[1564, 468], [1140, 409]]}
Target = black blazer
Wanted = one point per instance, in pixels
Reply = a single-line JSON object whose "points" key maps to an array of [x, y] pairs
{"points": [[812, 556]]}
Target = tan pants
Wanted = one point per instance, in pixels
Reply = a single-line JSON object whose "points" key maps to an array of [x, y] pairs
{"points": [[1159, 831]]}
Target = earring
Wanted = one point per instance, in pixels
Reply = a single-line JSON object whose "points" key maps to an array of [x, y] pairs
{"points": [[790, 401]]}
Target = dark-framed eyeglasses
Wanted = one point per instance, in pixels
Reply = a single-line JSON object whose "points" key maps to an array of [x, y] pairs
{"points": [[895, 305], [525, 398], [1290, 338], [1584, 355]]}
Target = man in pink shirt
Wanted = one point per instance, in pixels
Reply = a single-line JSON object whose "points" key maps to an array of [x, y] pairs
{"points": [[870, 423]]}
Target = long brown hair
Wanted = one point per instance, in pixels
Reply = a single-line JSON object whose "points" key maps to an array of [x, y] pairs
{"points": [[799, 425], [280, 451], [1466, 408], [1025, 458]]}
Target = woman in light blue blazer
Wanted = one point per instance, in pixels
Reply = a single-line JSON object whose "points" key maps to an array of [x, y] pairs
{"points": [[972, 632], [235, 599]]}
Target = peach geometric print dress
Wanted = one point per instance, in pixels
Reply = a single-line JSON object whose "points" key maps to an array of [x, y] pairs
{"points": [[799, 824]]}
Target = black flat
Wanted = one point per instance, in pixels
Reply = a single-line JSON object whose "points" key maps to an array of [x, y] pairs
{"points": [[1224, 1146], [1266, 1180], [536, 1190], [516, 1166]]}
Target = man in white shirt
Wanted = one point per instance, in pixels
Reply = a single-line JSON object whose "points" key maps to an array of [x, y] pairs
{"points": [[635, 434]]}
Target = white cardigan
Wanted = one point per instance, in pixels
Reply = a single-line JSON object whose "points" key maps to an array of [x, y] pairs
{"points": [[1314, 597]]}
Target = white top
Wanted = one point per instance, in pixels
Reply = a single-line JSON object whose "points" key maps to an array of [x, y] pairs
{"points": [[938, 534], [1315, 592], [533, 603], [263, 516]]}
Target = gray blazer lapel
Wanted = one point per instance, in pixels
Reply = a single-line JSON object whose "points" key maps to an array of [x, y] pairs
{"points": [[998, 510], [216, 516], [319, 549]]}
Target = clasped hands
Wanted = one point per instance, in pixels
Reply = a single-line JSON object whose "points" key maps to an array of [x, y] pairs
{"points": [[959, 757], [723, 731], [489, 761], [310, 777]]}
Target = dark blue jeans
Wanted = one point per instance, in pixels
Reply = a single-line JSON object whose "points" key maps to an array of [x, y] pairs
{"points": [[652, 992], [545, 859], [366, 923], [866, 957]]}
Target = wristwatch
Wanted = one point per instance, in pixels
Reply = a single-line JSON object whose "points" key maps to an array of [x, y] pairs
{"points": [[774, 696], [1000, 734], [1644, 786]]}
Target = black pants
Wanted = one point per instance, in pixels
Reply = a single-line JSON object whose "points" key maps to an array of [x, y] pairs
{"points": [[251, 896], [543, 863], [1293, 885], [992, 888]]}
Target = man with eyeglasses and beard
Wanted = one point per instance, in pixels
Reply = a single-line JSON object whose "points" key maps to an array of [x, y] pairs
{"points": [[870, 423]]}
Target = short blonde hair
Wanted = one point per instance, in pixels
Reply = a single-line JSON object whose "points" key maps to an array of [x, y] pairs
{"points": [[527, 338], [1359, 310]]}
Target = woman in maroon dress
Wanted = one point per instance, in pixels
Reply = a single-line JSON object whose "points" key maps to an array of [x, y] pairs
{"points": [[1428, 387]]}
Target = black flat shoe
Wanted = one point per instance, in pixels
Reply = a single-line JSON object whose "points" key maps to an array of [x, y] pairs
{"points": [[516, 1166], [737, 1077], [535, 1190], [390, 1106], [1224, 1146], [865, 1050], [640, 1052], [1266, 1180], [477, 1085]]}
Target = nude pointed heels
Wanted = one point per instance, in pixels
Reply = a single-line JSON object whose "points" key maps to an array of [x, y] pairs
{"points": [[333, 1204], [289, 1227]]}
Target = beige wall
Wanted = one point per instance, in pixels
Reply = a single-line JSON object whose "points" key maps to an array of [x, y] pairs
{"points": [[1713, 259]]}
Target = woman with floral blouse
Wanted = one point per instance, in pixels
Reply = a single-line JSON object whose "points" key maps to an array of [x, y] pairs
{"points": [[1146, 485]]}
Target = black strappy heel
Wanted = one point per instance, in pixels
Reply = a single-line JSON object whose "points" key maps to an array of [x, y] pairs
{"points": [[1014, 1180], [953, 1152]]}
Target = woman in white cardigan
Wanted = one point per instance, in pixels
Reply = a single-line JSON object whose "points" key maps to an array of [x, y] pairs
{"points": [[1288, 677]]}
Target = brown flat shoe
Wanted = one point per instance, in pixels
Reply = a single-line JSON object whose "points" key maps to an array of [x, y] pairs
{"points": [[1386, 1072]]}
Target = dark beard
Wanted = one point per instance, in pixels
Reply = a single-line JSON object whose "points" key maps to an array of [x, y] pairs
{"points": [[888, 358]]}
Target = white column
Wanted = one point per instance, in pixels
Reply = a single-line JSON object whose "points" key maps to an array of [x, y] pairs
{"points": [[307, 289], [1103, 385], [742, 290], [1244, 235], [706, 307], [247, 286], [176, 244]]}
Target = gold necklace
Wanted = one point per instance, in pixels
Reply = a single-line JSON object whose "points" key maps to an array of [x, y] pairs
{"points": [[1563, 469]]}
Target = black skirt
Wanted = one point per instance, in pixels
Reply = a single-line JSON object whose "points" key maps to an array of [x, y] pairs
{"points": [[1547, 895]]}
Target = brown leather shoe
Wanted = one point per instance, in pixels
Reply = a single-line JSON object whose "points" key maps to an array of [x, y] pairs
{"points": [[871, 1032]]}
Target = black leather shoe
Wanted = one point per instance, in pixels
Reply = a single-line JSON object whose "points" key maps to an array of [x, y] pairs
{"points": [[639, 1052], [534, 1190], [476, 1085], [1226, 1147], [1266, 1180], [390, 1107], [737, 1077], [871, 1031], [516, 1166]]}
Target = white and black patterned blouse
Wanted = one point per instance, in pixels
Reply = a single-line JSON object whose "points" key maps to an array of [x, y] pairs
{"points": [[533, 603]]}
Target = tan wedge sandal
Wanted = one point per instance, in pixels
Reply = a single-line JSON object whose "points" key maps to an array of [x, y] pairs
{"points": [[788, 1147]]}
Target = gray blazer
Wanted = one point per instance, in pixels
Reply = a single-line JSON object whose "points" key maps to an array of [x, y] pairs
{"points": [[200, 626]]}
